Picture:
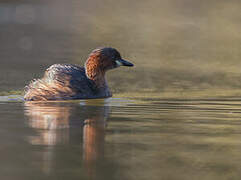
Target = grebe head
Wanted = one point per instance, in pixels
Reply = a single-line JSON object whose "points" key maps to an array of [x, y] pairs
{"points": [[102, 59]]}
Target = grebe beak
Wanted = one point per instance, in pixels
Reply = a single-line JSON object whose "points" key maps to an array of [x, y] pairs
{"points": [[122, 62]]}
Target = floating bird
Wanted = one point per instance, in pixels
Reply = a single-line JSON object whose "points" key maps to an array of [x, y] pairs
{"points": [[68, 81]]}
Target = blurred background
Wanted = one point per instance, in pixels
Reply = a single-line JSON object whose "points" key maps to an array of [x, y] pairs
{"points": [[175, 45]]}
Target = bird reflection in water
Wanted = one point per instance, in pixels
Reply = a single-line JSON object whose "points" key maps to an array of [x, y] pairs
{"points": [[61, 123]]}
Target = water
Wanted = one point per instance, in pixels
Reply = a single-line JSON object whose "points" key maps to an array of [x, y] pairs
{"points": [[175, 115], [119, 138]]}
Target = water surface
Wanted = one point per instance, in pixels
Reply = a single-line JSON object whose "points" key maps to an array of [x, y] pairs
{"points": [[120, 138]]}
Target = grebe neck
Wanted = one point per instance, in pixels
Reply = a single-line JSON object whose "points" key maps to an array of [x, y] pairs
{"points": [[97, 76]]}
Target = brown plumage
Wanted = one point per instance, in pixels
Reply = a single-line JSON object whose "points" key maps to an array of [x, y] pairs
{"points": [[67, 81]]}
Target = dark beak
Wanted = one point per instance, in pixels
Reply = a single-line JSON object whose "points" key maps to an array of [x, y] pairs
{"points": [[122, 62]]}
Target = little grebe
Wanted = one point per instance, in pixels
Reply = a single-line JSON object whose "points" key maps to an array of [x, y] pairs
{"points": [[67, 81]]}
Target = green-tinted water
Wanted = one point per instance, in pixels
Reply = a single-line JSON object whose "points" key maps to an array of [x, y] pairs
{"points": [[174, 44]]}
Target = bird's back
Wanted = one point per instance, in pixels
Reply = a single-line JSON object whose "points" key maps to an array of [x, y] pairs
{"points": [[62, 81]]}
